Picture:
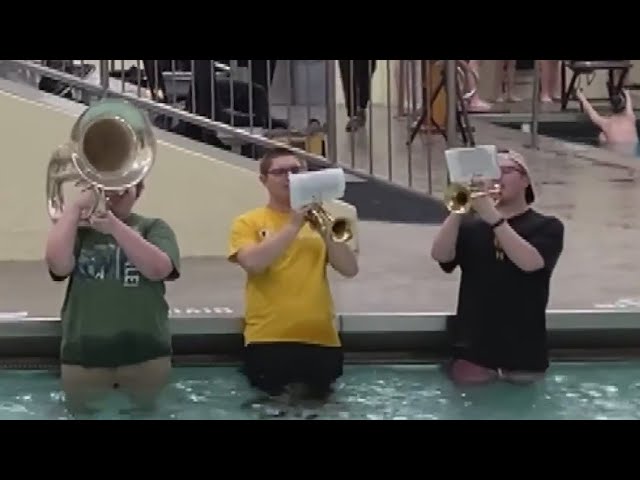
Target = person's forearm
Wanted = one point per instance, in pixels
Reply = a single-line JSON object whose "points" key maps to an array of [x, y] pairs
{"points": [[257, 258], [61, 242], [524, 255], [444, 245], [590, 111], [150, 261], [342, 259]]}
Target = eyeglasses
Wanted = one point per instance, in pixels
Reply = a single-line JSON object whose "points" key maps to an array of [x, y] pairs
{"points": [[510, 169], [284, 170]]}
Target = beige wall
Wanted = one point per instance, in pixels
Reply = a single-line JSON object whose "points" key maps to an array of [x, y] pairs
{"points": [[198, 195]]}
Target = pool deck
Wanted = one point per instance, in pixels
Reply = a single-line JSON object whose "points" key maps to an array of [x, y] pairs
{"points": [[593, 191]]}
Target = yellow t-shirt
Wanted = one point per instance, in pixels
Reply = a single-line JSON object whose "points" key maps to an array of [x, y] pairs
{"points": [[291, 300]]}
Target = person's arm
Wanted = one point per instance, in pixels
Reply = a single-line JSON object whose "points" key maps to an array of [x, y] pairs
{"points": [[162, 236], [548, 242], [629, 104], [342, 258], [590, 111], [61, 241], [256, 256], [522, 253], [528, 256], [445, 246], [149, 259]]}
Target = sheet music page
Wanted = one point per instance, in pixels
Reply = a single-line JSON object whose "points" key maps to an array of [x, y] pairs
{"points": [[465, 163]]}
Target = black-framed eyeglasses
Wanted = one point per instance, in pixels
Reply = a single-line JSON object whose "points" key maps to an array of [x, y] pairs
{"points": [[284, 170]]}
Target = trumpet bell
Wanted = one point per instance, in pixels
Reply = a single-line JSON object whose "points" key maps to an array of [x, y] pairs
{"points": [[457, 196], [338, 228], [111, 148]]}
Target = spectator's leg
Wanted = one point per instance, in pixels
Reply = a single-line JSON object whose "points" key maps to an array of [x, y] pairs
{"points": [[347, 79], [511, 81], [155, 81], [202, 104], [549, 80], [476, 103], [365, 70]]}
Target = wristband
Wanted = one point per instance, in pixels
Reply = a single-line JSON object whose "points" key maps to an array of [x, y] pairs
{"points": [[498, 223]]}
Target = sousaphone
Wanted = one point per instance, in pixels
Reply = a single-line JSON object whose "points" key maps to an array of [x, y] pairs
{"points": [[111, 148]]}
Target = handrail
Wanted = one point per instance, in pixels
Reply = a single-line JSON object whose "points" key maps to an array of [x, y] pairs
{"points": [[452, 101], [535, 104], [207, 123], [165, 109]]}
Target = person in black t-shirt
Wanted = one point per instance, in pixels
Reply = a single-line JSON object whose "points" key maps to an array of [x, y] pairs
{"points": [[507, 252]]}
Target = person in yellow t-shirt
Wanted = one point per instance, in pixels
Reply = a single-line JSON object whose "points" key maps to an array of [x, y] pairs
{"points": [[289, 333]]}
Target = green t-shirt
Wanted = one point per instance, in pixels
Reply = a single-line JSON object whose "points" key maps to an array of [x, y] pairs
{"points": [[112, 315]]}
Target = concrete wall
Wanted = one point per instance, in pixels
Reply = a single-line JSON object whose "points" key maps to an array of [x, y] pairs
{"points": [[197, 194]]}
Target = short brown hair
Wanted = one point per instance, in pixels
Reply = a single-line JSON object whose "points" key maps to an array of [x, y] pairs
{"points": [[270, 155], [139, 187]]}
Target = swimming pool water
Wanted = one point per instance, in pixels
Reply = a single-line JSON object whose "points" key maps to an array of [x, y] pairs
{"points": [[376, 392]]}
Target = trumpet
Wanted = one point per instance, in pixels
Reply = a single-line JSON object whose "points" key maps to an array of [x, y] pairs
{"points": [[322, 221], [458, 196]]}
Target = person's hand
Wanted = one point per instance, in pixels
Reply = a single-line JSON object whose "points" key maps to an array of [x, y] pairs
{"points": [[484, 204], [299, 216], [104, 223], [580, 94], [84, 201]]}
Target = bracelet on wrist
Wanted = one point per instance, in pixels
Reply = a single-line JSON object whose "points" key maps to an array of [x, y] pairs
{"points": [[498, 223]]}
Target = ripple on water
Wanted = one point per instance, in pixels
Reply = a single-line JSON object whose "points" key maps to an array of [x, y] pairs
{"points": [[570, 391]]}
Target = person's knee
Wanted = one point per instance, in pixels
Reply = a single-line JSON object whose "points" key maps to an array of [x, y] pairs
{"points": [[467, 373]]}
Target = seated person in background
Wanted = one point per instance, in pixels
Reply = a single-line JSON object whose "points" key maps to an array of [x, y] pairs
{"points": [[289, 332], [115, 319], [507, 254], [618, 129]]}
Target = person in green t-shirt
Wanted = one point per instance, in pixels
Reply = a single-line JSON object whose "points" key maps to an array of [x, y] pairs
{"points": [[115, 319]]}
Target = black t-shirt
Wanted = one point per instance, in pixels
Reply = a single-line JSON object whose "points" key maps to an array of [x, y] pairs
{"points": [[501, 314]]}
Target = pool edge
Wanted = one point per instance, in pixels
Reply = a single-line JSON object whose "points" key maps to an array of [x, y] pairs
{"points": [[400, 337]]}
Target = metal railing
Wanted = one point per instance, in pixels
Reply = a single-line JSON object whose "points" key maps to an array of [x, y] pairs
{"points": [[240, 105]]}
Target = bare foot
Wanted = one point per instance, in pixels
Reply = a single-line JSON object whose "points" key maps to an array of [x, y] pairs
{"points": [[479, 105], [546, 99], [513, 98]]}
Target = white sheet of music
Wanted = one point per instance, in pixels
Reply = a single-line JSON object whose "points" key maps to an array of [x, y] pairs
{"points": [[316, 187], [468, 162]]}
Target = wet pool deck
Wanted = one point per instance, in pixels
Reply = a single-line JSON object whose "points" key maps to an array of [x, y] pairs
{"points": [[594, 192]]}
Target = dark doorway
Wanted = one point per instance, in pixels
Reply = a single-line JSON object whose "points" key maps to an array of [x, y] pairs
{"points": [[524, 64]]}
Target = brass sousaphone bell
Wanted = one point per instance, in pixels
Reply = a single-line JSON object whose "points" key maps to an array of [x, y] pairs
{"points": [[111, 148]]}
